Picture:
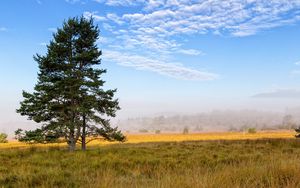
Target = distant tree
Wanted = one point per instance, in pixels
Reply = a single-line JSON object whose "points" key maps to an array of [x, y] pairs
{"points": [[232, 129], [252, 130], [3, 138], [157, 131], [185, 130], [143, 131], [198, 128], [288, 122], [298, 132], [69, 98]]}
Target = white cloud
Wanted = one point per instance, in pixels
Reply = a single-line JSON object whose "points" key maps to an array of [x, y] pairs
{"points": [[107, 27], [191, 52], [239, 18], [94, 15], [102, 40], [115, 18], [43, 44], [297, 63], [121, 2], [156, 27], [280, 93], [173, 70]]}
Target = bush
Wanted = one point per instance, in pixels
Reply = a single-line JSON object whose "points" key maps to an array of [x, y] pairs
{"points": [[251, 130], [157, 131], [298, 132], [185, 130], [3, 138], [143, 130]]}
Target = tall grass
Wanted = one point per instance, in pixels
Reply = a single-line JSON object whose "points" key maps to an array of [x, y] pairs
{"points": [[248, 163]]}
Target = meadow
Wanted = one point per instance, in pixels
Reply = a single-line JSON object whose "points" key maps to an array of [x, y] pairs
{"points": [[264, 159]]}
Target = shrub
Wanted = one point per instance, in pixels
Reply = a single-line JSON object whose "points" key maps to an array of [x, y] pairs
{"points": [[157, 131], [251, 130], [3, 138], [298, 132], [185, 130], [143, 130]]}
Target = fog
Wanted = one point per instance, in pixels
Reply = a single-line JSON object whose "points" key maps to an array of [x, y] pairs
{"points": [[216, 120], [206, 114]]}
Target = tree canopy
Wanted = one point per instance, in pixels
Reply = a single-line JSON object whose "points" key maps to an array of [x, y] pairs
{"points": [[69, 99]]}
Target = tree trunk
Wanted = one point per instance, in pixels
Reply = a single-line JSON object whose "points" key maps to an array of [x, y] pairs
{"points": [[71, 141], [72, 145], [83, 135]]}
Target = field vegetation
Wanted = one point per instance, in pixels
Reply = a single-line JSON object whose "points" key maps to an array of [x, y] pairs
{"points": [[263, 159]]}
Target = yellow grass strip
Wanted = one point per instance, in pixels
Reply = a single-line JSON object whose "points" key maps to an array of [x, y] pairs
{"points": [[175, 137]]}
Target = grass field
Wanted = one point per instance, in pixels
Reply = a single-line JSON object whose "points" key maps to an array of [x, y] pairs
{"points": [[266, 159]]}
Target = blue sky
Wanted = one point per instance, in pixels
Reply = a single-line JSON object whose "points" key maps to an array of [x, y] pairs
{"points": [[166, 55]]}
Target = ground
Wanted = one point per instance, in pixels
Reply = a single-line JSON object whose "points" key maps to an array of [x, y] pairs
{"points": [[167, 160]]}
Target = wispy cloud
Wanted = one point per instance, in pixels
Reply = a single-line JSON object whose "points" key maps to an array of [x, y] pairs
{"points": [[174, 70], [191, 52], [236, 17], [52, 29], [279, 93], [121, 2], [3, 29], [43, 44], [94, 16], [296, 72], [153, 26], [76, 1]]}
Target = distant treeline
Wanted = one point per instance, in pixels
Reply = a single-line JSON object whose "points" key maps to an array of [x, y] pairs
{"points": [[214, 121]]}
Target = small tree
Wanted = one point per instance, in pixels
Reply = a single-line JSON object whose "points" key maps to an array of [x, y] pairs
{"points": [[3, 138], [143, 131], [185, 130], [252, 130], [69, 98], [288, 122], [298, 132]]}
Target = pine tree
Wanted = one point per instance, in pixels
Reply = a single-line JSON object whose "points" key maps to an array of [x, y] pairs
{"points": [[69, 98]]}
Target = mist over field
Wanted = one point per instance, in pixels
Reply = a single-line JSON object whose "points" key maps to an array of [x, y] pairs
{"points": [[214, 121], [171, 121]]}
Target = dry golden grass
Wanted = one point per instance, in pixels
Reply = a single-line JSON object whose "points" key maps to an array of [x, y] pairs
{"points": [[263, 159], [249, 163], [176, 137], [138, 138]]}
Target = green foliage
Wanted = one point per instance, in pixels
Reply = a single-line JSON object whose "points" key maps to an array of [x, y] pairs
{"points": [[255, 163], [157, 131], [37, 136], [3, 138], [69, 98], [251, 130], [185, 130]]}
